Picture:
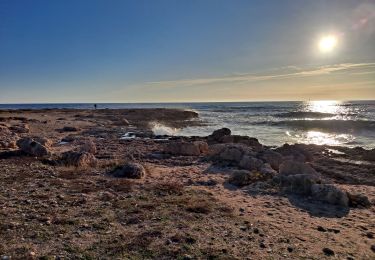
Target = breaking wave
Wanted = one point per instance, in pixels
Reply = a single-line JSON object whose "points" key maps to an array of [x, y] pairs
{"points": [[160, 129]]}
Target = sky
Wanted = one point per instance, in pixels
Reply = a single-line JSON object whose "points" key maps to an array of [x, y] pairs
{"points": [[186, 50]]}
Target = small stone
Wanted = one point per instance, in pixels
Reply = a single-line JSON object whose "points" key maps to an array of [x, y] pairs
{"points": [[328, 252], [290, 249], [370, 235], [130, 170], [256, 231], [262, 245], [321, 229], [373, 248]]}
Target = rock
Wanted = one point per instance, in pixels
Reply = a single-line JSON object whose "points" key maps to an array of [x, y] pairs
{"points": [[294, 167], [70, 129], [296, 152], [321, 229], [218, 134], [298, 183], [328, 252], [272, 157], [231, 154], [44, 141], [243, 177], [330, 194], [130, 170], [246, 140], [32, 147], [267, 171], [195, 148], [373, 248], [369, 155], [78, 159], [250, 163], [88, 146], [358, 200], [20, 129]]}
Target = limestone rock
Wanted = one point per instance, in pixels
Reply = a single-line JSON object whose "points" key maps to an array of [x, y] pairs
{"points": [[195, 148], [294, 167], [88, 146], [358, 200], [330, 194], [298, 183], [218, 134], [78, 159], [272, 157], [250, 163], [32, 147], [130, 170]]}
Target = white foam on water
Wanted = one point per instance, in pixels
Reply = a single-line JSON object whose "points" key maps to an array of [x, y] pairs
{"points": [[160, 129]]}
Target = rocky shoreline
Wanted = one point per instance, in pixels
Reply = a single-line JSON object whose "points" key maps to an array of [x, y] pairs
{"points": [[90, 184]]}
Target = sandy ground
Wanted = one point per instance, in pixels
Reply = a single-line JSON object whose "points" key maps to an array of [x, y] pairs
{"points": [[182, 209]]}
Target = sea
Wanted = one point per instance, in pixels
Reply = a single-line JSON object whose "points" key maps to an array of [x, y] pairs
{"points": [[336, 123]]}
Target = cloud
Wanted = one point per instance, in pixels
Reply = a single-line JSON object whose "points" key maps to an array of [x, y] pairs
{"points": [[287, 73]]}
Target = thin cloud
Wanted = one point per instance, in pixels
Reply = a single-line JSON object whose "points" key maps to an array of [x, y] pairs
{"points": [[293, 72]]}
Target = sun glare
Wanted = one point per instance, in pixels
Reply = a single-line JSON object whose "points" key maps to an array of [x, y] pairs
{"points": [[327, 43]]}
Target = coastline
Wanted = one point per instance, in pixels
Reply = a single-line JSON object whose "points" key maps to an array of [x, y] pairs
{"points": [[192, 200]]}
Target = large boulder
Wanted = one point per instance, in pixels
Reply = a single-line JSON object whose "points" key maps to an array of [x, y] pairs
{"points": [[32, 147], [78, 159], [130, 170], [357, 200], [250, 163], [244, 177], [330, 194], [296, 152], [298, 183], [272, 157], [294, 167], [230, 152], [195, 148], [218, 134]]}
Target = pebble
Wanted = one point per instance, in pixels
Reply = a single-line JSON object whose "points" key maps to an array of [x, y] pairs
{"points": [[262, 245], [328, 252], [290, 249]]}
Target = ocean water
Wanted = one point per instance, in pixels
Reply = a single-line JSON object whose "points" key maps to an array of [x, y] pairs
{"points": [[346, 123]]}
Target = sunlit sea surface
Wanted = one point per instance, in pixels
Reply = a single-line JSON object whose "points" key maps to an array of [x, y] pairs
{"points": [[346, 123]]}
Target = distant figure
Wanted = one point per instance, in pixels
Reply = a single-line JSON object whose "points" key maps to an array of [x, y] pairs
{"points": [[95, 106]]}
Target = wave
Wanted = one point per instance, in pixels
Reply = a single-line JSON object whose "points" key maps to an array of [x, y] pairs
{"points": [[301, 114], [160, 129], [343, 126]]}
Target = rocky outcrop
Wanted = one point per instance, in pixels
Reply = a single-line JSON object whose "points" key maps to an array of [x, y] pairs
{"points": [[7, 138], [195, 148], [88, 146], [129, 170], [32, 147], [20, 129], [294, 167], [78, 159], [217, 135], [369, 155], [357, 200], [298, 183], [70, 129], [330, 194], [271, 157], [296, 152], [250, 163]]}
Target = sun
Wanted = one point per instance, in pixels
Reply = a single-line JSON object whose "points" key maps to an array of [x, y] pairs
{"points": [[327, 43]]}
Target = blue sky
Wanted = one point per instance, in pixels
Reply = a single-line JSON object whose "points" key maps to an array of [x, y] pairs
{"points": [[211, 50]]}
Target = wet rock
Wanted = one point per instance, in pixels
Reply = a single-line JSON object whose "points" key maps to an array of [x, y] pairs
{"points": [[130, 170], [195, 148], [272, 157], [369, 155], [328, 252], [78, 159], [293, 167], [250, 163], [32, 147], [298, 183], [218, 134], [357, 200], [330, 194]]}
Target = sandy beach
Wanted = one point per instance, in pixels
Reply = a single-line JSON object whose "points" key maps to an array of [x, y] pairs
{"points": [[99, 184]]}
